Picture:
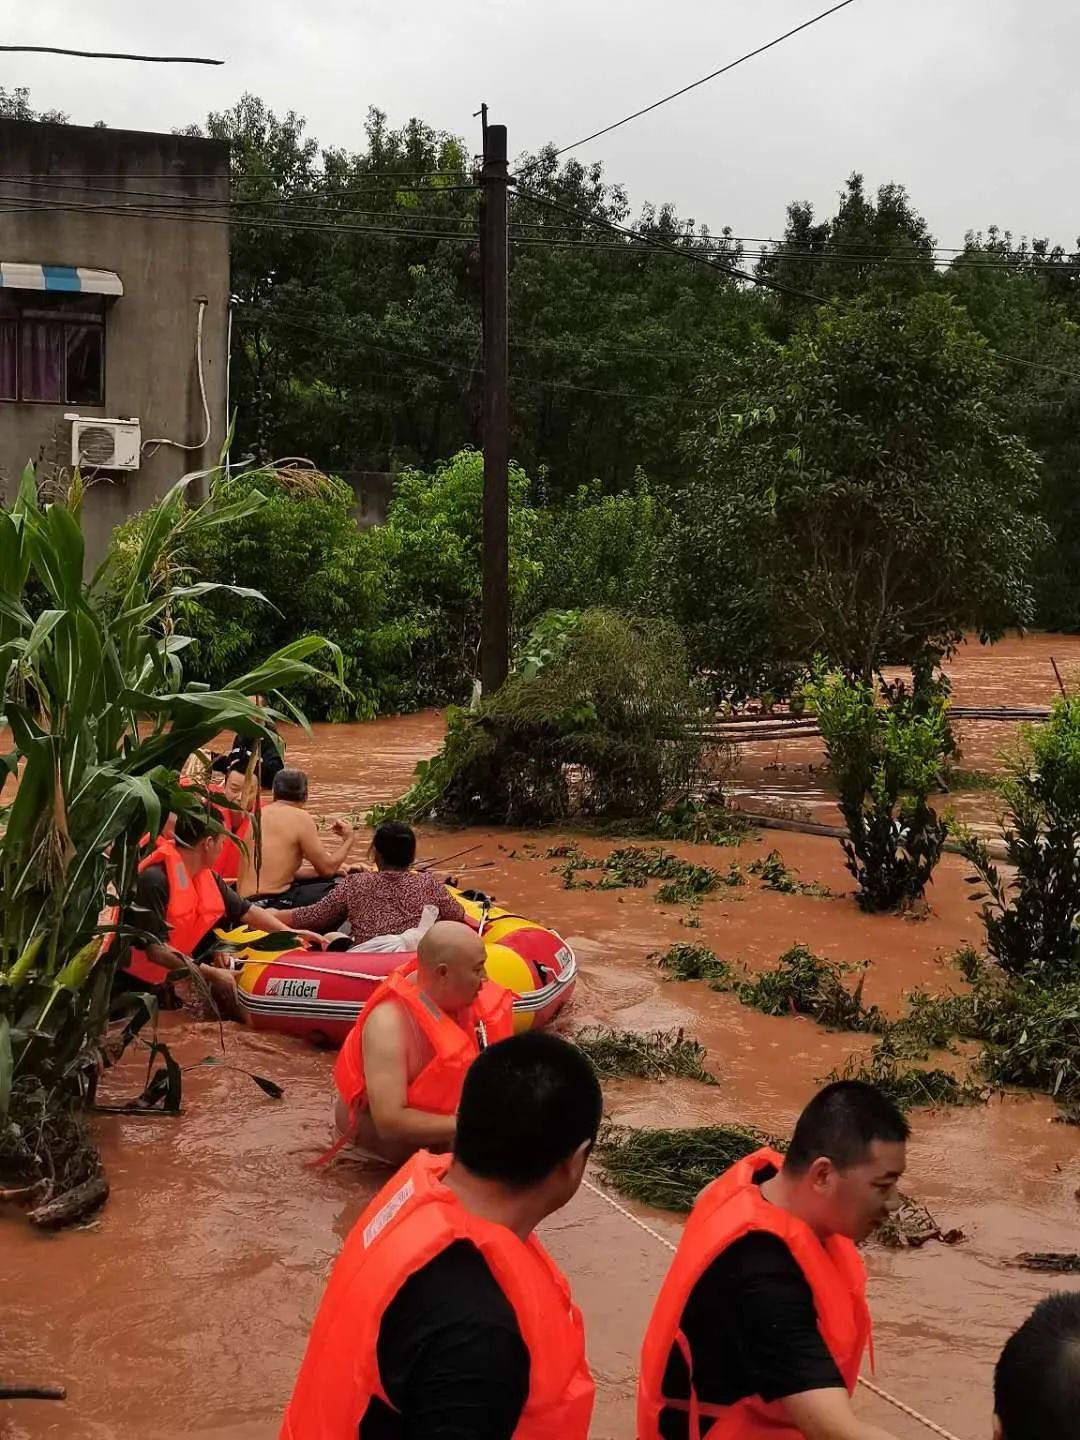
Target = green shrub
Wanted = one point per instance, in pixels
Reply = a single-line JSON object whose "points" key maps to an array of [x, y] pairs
{"points": [[303, 552], [430, 553], [805, 984], [885, 760], [1031, 919], [608, 726]]}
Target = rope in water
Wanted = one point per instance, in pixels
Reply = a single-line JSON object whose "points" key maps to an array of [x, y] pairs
{"points": [[874, 1389]]}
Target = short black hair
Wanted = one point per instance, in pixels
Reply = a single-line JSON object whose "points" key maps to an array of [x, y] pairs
{"points": [[290, 784], [528, 1103], [395, 844], [1037, 1379], [191, 827], [842, 1122]]}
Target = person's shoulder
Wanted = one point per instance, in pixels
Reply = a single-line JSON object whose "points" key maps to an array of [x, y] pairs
{"points": [[154, 877], [457, 1288], [386, 1023], [758, 1253]]}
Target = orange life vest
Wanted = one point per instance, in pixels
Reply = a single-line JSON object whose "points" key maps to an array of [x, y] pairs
{"points": [[455, 1046], [413, 1219], [194, 907], [239, 827], [733, 1206]]}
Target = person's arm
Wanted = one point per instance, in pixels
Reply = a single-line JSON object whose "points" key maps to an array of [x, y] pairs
{"points": [[324, 915], [238, 909], [828, 1415], [449, 908], [148, 915], [324, 862], [387, 1082]]}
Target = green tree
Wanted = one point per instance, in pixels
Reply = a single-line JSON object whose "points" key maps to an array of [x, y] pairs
{"points": [[858, 490]]}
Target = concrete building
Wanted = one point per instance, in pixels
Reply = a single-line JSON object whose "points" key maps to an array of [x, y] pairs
{"points": [[114, 305]]}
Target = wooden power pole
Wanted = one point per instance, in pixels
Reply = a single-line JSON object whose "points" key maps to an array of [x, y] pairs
{"points": [[495, 629]]}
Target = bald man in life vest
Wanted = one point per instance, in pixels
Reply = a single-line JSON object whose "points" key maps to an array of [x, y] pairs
{"points": [[760, 1327], [401, 1070], [444, 1315]]}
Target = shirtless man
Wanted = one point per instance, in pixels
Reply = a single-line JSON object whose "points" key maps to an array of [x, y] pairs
{"points": [[293, 854], [401, 1069]]}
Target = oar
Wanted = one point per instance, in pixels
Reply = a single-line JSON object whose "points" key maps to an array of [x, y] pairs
{"points": [[442, 859]]}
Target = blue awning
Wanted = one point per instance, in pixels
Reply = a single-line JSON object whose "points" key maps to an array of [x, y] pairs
{"points": [[14, 275]]}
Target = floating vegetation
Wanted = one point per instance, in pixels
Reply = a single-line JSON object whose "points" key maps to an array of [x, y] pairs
{"points": [[698, 822], [907, 1086], [695, 962], [971, 780], [912, 1226], [1054, 1262], [669, 1168], [775, 875], [806, 984], [624, 1054], [631, 867]]}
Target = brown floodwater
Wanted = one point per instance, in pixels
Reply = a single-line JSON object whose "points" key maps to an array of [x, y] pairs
{"points": [[183, 1308]]}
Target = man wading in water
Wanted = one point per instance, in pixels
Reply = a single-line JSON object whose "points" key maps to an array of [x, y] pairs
{"points": [[444, 1315], [760, 1327], [401, 1070]]}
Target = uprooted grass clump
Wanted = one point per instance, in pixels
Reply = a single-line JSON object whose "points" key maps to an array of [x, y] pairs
{"points": [[910, 1227], [657, 1055], [907, 1085], [693, 821], [775, 875], [631, 867], [695, 962], [804, 983], [668, 1168]]}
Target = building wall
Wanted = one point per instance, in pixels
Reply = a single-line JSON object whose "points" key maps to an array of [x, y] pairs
{"points": [[166, 265]]}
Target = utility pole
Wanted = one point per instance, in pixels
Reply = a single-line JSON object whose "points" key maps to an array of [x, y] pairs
{"points": [[495, 626]]}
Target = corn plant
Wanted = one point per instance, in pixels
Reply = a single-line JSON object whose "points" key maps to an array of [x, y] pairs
{"points": [[100, 719]]}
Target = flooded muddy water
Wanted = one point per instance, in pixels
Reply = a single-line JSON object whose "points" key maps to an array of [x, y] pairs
{"points": [[183, 1309]]}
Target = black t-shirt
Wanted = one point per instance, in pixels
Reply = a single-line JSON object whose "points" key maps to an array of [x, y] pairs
{"points": [[751, 1326], [152, 899], [451, 1357]]}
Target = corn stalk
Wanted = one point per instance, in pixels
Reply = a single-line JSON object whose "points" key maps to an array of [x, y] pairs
{"points": [[101, 720]]}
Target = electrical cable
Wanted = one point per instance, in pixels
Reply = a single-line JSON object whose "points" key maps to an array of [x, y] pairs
{"points": [[159, 441], [659, 245], [109, 55], [705, 78]]}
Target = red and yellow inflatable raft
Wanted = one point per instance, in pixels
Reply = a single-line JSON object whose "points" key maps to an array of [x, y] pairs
{"points": [[317, 994]]}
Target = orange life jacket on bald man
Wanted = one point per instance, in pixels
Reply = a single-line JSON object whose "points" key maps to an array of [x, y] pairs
{"points": [[731, 1207], [411, 1221], [455, 1045], [195, 906]]}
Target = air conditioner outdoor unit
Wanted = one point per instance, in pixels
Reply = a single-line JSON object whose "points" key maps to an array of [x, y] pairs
{"points": [[105, 444]]}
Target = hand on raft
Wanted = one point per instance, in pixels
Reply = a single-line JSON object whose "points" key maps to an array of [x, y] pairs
{"points": [[312, 940]]}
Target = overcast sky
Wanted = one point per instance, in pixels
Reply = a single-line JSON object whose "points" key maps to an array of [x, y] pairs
{"points": [[972, 104]]}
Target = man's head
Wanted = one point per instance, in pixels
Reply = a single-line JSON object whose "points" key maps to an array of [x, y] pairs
{"points": [[846, 1158], [1037, 1380], [394, 845], [197, 841], [451, 961], [291, 786], [232, 787], [529, 1114]]}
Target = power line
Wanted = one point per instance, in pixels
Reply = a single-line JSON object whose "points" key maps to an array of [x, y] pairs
{"points": [[704, 79], [109, 55], [218, 174], [178, 198], [684, 254], [136, 212]]}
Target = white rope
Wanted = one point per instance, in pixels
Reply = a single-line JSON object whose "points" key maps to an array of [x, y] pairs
{"points": [[869, 1384]]}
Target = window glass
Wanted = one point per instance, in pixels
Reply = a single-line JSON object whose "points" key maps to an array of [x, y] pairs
{"points": [[84, 365], [41, 362], [9, 359]]}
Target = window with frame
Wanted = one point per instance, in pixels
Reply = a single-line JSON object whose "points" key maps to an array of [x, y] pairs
{"points": [[52, 347]]}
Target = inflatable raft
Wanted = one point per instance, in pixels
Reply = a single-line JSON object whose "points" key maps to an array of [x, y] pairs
{"points": [[318, 994]]}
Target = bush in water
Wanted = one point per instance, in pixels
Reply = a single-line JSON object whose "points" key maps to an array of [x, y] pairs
{"points": [[1031, 921], [600, 721], [885, 760]]}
